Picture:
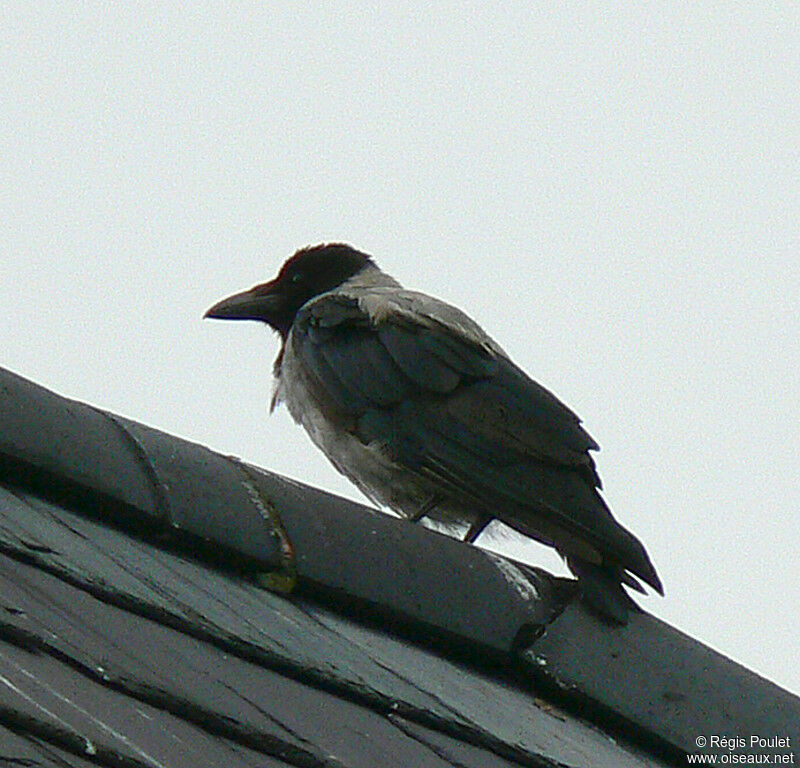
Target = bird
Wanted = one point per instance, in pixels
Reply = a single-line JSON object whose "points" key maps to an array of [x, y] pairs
{"points": [[427, 415]]}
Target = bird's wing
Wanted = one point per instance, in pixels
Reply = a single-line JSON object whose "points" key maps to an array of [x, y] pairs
{"points": [[385, 348], [423, 380]]}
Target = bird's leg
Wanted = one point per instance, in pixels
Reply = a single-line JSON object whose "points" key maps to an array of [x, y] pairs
{"points": [[478, 524], [428, 506]]}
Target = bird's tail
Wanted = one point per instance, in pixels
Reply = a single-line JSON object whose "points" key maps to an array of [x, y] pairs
{"points": [[602, 590]]}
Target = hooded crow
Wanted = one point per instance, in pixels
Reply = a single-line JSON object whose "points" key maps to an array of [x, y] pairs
{"points": [[414, 403]]}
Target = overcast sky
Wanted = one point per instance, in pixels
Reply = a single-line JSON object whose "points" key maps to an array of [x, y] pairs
{"points": [[612, 191]]}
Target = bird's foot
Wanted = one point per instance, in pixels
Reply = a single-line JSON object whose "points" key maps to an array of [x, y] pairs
{"points": [[425, 508], [477, 527]]}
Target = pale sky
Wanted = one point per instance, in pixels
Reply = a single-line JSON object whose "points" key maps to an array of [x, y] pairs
{"points": [[612, 191]]}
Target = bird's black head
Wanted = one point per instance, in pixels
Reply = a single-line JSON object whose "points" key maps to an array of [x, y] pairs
{"points": [[310, 272]]}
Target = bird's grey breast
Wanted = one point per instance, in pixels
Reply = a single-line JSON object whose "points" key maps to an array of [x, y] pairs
{"points": [[368, 466], [306, 388]]}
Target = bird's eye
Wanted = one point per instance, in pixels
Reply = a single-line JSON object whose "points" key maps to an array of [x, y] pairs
{"points": [[297, 278]]}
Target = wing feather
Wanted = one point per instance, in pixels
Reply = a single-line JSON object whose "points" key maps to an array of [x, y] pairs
{"points": [[447, 404]]}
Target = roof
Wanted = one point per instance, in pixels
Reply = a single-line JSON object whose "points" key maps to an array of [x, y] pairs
{"points": [[165, 605]]}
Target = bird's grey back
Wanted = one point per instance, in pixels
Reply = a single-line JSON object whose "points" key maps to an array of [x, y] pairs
{"points": [[381, 297]]}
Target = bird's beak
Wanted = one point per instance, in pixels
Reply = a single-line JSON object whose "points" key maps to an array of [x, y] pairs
{"points": [[260, 303]]}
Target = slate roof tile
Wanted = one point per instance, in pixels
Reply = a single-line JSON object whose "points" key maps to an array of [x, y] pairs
{"points": [[135, 629]]}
